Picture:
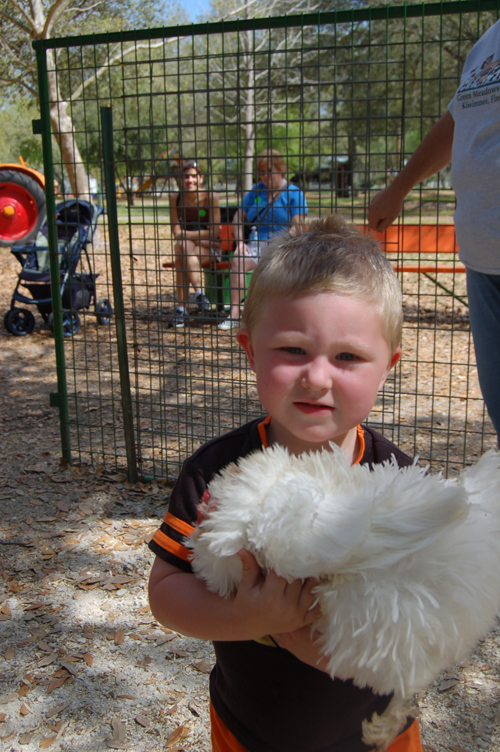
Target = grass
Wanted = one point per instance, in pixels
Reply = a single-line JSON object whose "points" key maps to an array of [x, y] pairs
{"points": [[426, 206]]}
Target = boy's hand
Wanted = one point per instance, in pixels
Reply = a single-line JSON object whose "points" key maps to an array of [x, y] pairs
{"points": [[263, 604], [266, 604]]}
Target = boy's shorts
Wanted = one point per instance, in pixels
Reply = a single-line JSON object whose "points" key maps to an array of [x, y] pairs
{"points": [[224, 741]]}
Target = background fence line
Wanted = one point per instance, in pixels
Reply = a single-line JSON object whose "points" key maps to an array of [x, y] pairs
{"points": [[346, 97]]}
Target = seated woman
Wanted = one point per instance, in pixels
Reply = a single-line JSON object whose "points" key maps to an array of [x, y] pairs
{"points": [[195, 220], [272, 206]]}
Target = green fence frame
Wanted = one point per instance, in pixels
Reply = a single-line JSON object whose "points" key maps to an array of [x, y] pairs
{"points": [[132, 396]]}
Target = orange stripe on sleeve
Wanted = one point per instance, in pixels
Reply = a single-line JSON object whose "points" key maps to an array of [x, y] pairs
{"points": [[176, 524], [171, 546]]}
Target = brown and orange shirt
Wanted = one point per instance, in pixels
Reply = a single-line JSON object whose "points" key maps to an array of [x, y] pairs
{"points": [[267, 698]]}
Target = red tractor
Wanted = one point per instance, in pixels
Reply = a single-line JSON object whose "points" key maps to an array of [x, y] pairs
{"points": [[22, 203]]}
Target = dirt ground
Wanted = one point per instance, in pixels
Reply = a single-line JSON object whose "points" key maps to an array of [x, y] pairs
{"points": [[83, 664]]}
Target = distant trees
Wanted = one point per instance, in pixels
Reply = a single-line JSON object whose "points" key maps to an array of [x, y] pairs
{"points": [[260, 78], [24, 21], [366, 91], [363, 91]]}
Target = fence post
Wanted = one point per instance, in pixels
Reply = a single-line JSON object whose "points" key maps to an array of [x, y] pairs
{"points": [[59, 399], [119, 311]]}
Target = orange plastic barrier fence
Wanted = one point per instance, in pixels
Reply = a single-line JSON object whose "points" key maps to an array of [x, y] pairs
{"points": [[400, 239], [415, 239]]}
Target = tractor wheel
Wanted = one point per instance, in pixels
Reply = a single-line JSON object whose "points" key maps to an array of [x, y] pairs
{"points": [[22, 208]]}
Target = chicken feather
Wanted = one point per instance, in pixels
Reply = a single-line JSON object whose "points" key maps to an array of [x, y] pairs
{"points": [[408, 563]]}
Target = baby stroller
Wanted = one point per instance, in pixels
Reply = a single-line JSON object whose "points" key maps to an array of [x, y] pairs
{"points": [[76, 222]]}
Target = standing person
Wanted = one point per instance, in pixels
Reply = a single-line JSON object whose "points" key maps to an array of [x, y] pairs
{"points": [[468, 135], [272, 206], [321, 329], [195, 221]]}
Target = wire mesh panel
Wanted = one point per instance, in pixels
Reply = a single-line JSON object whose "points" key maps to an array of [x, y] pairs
{"points": [[344, 98]]}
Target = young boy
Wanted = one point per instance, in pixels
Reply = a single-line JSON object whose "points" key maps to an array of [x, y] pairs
{"points": [[321, 328]]}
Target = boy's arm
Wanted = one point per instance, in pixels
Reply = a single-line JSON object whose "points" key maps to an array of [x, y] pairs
{"points": [[432, 155], [262, 605]]}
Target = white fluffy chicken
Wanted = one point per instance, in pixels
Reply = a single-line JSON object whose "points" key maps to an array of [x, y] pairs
{"points": [[408, 563]]}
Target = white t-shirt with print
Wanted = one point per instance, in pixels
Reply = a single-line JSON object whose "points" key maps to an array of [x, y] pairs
{"points": [[475, 161]]}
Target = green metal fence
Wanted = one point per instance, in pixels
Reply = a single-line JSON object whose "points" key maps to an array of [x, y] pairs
{"points": [[346, 97]]}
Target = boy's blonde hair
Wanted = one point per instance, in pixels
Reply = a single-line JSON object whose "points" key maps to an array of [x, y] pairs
{"points": [[330, 256]]}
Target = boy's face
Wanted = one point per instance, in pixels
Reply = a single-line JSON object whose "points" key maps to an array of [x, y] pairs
{"points": [[320, 361]]}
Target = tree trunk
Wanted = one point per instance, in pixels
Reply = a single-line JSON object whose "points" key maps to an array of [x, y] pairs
{"points": [[62, 128], [249, 121], [62, 125]]}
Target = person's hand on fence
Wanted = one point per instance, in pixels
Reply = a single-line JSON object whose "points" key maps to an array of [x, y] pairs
{"points": [[385, 208]]}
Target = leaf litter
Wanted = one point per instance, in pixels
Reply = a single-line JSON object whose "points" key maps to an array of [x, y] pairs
{"points": [[74, 572]]}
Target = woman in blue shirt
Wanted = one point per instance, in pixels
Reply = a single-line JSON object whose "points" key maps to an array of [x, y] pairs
{"points": [[272, 206]]}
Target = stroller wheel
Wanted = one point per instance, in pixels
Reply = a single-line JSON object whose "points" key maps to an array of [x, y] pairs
{"points": [[19, 321], [104, 311], [71, 323]]}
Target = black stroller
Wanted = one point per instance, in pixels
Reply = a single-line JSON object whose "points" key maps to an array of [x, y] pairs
{"points": [[76, 222]]}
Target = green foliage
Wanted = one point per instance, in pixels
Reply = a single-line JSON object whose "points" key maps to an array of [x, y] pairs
{"points": [[16, 136], [31, 150], [364, 90], [22, 20]]}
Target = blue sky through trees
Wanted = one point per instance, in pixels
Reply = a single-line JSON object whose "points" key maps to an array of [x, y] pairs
{"points": [[195, 8]]}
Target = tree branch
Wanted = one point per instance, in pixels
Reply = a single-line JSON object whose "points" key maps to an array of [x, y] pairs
{"points": [[53, 16], [238, 10], [114, 58], [84, 10], [19, 82], [14, 57], [26, 29]]}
